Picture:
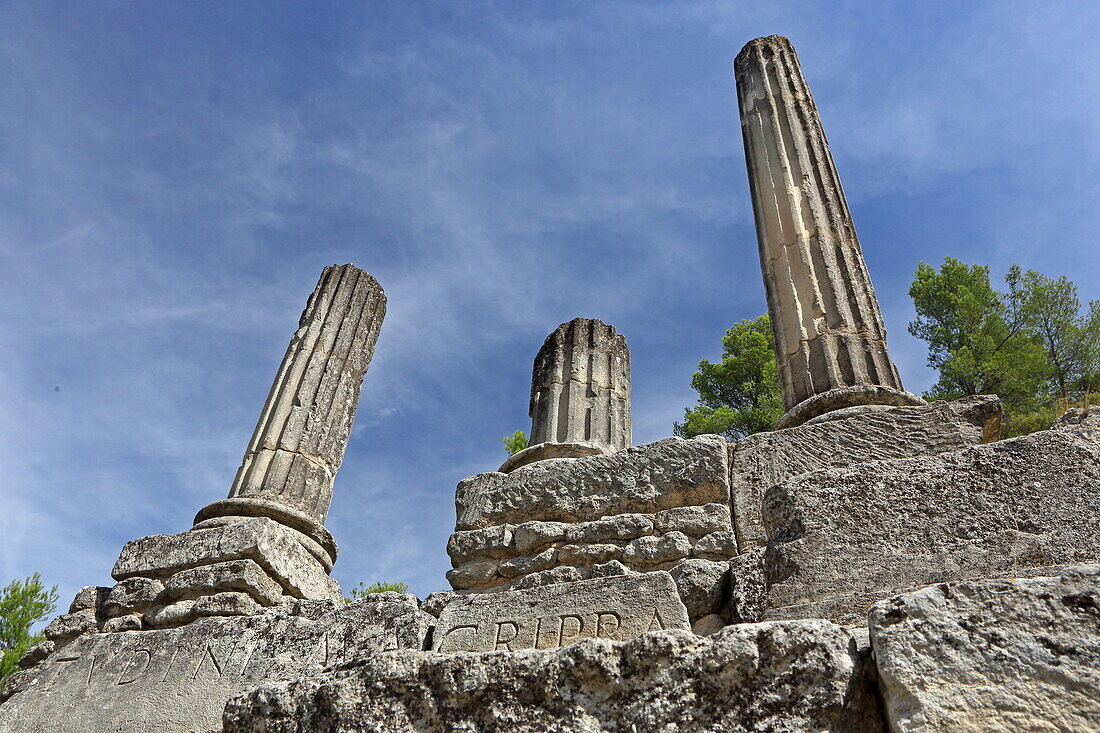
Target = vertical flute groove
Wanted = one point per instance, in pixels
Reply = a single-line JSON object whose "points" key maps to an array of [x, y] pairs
{"points": [[580, 387], [300, 438], [828, 328]]}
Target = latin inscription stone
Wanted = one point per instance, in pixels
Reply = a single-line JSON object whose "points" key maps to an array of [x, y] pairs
{"points": [[616, 608], [178, 680]]}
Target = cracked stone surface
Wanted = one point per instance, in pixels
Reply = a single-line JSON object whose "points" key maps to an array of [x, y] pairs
{"points": [[783, 676]]}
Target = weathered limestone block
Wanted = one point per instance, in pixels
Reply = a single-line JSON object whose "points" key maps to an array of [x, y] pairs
{"points": [[716, 546], [491, 543], [643, 480], [616, 608], [701, 585], [843, 538], [694, 520], [994, 655], [234, 575], [797, 676], [765, 459], [830, 341], [291, 462], [178, 680], [533, 536], [270, 544], [618, 527], [472, 574], [560, 574], [652, 550], [89, 597], [132, 594], [524, 565]]}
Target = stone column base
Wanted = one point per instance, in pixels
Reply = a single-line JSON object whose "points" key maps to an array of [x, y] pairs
{"points": [[842, 397], [542, 451]]}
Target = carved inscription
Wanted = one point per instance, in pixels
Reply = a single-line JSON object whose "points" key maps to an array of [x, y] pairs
{"points": [[617, 608], [178, 680]]}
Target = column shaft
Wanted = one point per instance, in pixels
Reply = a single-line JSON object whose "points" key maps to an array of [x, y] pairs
{"points": [[288, 469], [829, 335]]}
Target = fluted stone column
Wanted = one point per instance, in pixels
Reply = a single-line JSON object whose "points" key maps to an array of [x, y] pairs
{"points": [[291, 462], [830, 341], [580, 394]]}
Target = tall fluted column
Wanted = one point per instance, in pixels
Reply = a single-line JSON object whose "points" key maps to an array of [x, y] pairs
{"points": [[830, 341], [298, 445], [580, 394]]}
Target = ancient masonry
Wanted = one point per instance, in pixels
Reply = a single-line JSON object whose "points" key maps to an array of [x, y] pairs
{"points": [[830, 341], [873, 563], [580, 394]]}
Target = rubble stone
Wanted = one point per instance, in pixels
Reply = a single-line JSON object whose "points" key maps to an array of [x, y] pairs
{"points": [[694, 520], [585, 555], [618, 527], [797, 676], [235, 575], [491, 543], [701, 585], [707, 625], [475, 573], [70, 625], [89, 598], [226, 604], [174, 614], [435, 602], [653, 550], [532, 536], [132, 594], [525, 565], [609, 569], [129, 622], [716, 546], [560, 574]]}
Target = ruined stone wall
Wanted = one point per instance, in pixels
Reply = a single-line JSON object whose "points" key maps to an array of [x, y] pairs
{"points": [[661, 506]]}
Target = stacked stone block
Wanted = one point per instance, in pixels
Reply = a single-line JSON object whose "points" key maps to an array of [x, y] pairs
{"points": [[266, 544], [661, 506]]}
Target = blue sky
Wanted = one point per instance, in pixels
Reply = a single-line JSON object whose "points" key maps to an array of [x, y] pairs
{"points": [[173, 177]]}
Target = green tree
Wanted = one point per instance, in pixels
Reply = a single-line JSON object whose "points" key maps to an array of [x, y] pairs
{"points": [[22, 604], [515, 442], [1051, 309], [739, 395], [361, 591], [1086, 355], [1029, 344]]}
